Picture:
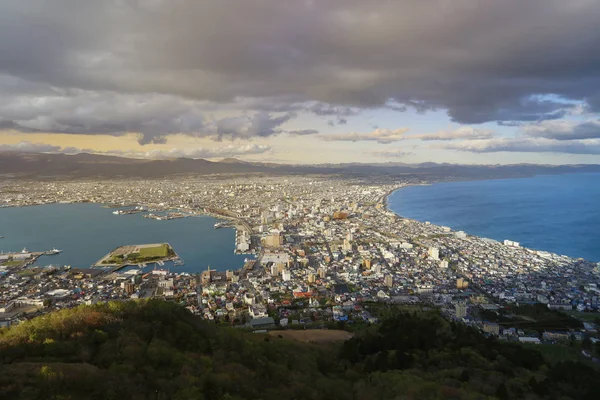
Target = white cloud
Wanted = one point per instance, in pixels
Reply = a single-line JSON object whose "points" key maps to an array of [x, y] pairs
{"points": [[199, 152], [463, 132], [527, 145], [390, 153], [378, 135], [29, 147], [563, 130]]}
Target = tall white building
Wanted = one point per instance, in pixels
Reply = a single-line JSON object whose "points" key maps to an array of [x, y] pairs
{"points": [[460, 309], [434, 253]]}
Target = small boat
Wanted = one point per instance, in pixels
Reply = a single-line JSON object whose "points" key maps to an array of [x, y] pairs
{"points": [[54, 251], [178, 262], [25, 250]]}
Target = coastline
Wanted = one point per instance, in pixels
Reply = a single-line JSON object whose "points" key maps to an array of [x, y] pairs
{"points": [[385, 201]]}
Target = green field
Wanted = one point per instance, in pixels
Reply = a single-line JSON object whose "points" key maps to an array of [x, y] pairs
{"points": [[158, 251], [13, 263], [145, 254], [585, 316]]}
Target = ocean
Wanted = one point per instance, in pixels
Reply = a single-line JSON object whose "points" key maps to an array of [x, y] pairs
{"points": [[556, 213], [87, 232]]}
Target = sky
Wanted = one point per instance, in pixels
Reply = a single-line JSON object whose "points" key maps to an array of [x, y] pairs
{"points": [[303, 81]]}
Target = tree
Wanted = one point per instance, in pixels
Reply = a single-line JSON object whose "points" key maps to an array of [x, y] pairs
{"points": [[502, 392]]}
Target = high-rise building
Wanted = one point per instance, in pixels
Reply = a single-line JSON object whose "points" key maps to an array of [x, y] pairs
{"points": [[322, 273], [347, 246], [349, 236], [462, 283], [434, 253], [286, 275], [280, 268], [367, 263], [207, 276], [129, 288], [443, 264], [460, 309], [388, 281], [311, 278], [274, 269]]}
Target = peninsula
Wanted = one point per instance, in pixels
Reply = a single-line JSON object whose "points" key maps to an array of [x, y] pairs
{"points": [[138, 254]]}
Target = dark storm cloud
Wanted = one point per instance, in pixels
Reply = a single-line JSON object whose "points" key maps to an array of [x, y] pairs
{"points": [[481, 61], [153, 116], [261, 124]]}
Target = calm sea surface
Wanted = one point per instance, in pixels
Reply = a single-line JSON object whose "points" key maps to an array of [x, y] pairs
{"points": [[558, 213], [86, 232]]}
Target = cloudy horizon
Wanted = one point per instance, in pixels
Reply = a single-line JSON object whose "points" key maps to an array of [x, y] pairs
{"points": [[303, 81]]}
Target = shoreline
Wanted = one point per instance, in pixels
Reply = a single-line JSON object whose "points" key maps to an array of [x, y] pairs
{"points": [[479, 237]]}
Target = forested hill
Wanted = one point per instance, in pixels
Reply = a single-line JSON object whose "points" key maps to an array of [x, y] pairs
{"points": [[158, 350]]}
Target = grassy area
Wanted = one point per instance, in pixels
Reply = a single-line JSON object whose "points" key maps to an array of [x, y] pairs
{"points": [[13, 263], [555, 353], [27, 272], [158, 251], [535, 317], [585, 316], [145, 254], [114, 259]]}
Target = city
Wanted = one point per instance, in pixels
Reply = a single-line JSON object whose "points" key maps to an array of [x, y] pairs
{"points": [[319, 249]]}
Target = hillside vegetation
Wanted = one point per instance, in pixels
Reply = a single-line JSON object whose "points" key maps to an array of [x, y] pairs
{"points": [[158, 350]]}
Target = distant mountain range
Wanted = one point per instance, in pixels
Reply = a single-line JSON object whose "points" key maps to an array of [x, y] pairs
{"points": [[88, 166]]}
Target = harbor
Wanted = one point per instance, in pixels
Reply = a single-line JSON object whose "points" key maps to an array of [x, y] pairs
{"points": [[136, 210], [86, 232], [25, 258]]}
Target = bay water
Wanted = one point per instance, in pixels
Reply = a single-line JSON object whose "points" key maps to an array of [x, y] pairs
{"points": [[556, 213], [86, 232]]}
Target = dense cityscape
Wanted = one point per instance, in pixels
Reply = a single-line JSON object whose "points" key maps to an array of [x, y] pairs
{"points": [[318, 248]]}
